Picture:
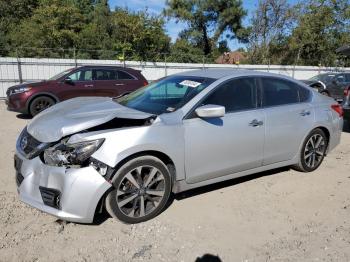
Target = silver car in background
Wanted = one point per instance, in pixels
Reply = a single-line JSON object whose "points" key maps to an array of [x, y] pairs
{"points": [[184, 131]]}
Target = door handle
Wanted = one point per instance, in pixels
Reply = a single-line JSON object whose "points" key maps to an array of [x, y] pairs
{"points": [[88, 85], [255, 122], [120, 84], [305, 113]]}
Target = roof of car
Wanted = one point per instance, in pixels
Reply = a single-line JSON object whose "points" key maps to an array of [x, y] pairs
{"points": [[107, 67], [218, 73]]}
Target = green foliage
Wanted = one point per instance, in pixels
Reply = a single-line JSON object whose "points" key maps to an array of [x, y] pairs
{"points": [[57, 28], [323, 26], [278, 33], [207, 20], [304, 34], [184, 52]]}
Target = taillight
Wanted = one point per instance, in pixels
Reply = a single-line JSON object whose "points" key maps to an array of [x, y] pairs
{"points": [[346, 91], [337, 108], [145, 83]]}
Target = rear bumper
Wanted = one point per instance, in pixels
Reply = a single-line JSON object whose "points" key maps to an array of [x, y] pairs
{"points": [[78, 190]]}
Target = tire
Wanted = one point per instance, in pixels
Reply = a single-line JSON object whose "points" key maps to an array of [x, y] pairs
{"points": [[39, 104], [143, 181], [313, 151]]}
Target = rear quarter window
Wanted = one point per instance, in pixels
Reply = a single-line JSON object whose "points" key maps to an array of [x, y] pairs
{"points": [[304, 94], [124, 76]]}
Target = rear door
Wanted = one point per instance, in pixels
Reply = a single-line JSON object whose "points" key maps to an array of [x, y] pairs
{"points": [[78, 83], [104, 82], [113, 82], [289, 117], [127, 82]]}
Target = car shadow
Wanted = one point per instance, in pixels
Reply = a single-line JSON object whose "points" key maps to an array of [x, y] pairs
{"points": [[100, 218], [24, 116], [208, 258], [227, 183]]}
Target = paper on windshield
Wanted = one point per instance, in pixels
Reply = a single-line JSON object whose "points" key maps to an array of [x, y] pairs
{"points": [[190, 83]]}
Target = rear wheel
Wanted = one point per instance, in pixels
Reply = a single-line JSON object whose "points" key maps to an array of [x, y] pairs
{"points": [[313, 151], [141, 190], [39, 104]]}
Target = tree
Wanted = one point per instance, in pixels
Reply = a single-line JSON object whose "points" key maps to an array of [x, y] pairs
{"points": [[207, 20], [96, 34], [322, 27], [183, 52], [11, 14], [139, 35], [270, 24], [54, 24]]}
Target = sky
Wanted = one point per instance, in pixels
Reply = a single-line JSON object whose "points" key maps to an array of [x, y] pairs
{"points": [[173, 28]]}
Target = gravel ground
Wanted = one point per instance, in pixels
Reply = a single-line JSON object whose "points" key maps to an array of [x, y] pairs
{"points": [[282, 215]]}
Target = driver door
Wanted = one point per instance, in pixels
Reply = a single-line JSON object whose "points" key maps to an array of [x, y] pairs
{"points": [[217, 147], [80, 84]]}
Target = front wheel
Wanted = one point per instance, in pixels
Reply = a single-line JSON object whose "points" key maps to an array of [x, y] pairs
{"points": [[142, 188], [313, 151], [39, 104]]}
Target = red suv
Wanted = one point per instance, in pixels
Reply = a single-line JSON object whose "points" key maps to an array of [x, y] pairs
{"points": [[31, 98]]}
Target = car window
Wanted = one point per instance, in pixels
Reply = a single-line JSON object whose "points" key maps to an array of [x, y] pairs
{"points": [[81, 75], [304, 94], [105, 74], [234, 95], [347, 77], [124, 76], [279, 92], [340, 78], [165, 95]]}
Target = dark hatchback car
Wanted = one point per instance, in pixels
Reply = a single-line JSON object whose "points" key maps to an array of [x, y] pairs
{"points": [[346, 105], [109, 81], [330, 84]]}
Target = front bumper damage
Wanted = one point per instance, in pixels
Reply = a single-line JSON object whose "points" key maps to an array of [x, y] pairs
{"points": [[70, 194]]}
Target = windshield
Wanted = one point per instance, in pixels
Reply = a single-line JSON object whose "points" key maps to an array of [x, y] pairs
{"points": [[58, 76], [165, 95]]}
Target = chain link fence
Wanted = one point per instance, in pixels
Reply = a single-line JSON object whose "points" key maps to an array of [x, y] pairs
{"points": [[19, 68]]}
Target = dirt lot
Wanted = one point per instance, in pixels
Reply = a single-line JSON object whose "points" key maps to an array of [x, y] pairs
{"points": [[281, 215]]}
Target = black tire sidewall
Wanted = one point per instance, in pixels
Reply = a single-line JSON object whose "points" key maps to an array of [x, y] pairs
{"points": [[111, 202], [35, 100], [302, 159]]}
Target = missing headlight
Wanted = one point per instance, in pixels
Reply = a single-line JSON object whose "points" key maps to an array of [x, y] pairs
{"points": [[77, 154], [100, 167]]}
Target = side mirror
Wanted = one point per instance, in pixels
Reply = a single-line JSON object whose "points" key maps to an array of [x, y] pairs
{"points": [[210, 111], [68, 81]]}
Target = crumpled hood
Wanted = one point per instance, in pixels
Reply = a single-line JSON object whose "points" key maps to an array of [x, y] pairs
{"points": [[78, 114]]}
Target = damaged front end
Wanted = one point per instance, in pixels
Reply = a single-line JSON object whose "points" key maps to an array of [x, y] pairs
{"points": [[59, 174]]}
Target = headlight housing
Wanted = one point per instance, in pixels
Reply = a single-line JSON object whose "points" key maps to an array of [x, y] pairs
{"points": [[21, 89], [77, 154]]}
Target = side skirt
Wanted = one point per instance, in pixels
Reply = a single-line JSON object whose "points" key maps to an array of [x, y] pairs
{"points": [[181, 185]]}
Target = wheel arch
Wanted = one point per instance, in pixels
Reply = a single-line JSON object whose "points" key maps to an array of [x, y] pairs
{"points": [[158, 154], [30, 100], [327, 133]]}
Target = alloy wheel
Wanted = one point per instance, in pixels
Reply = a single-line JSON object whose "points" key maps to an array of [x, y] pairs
{"points": [[140, 191], [314, 150], [39, 104]]}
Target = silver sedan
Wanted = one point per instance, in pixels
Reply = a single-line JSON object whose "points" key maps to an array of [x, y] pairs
{"points": [[129, 154]]}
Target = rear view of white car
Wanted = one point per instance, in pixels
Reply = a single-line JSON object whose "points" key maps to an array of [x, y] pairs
{"points": [[184, 131]]}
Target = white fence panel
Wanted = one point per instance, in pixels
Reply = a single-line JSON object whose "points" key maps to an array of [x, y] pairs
{"points": [[13, 70]]}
